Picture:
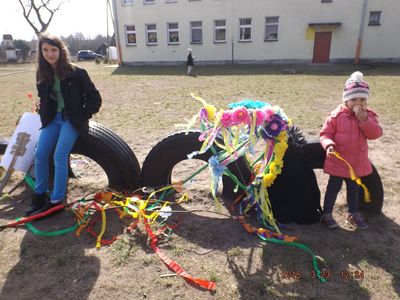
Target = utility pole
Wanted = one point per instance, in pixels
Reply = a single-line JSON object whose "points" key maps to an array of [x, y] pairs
{"points": [[107, 7]]}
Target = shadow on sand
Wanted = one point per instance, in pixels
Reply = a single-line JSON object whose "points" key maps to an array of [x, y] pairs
{"points": [[49, 267], [266, 270]]}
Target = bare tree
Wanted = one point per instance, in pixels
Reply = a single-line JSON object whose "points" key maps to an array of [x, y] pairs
{"points": [[39, 13]]}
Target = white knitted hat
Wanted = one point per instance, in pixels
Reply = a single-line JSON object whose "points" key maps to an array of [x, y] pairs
{"points": [[355, 87]]}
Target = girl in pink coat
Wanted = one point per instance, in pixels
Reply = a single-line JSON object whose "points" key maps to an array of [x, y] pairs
{"points": [[346, 130]]}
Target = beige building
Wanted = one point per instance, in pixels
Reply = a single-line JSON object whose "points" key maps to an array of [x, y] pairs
{"points": [[257, 31]]}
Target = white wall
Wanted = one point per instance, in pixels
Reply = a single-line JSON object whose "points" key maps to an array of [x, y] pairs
{"points": [[295, 39]]}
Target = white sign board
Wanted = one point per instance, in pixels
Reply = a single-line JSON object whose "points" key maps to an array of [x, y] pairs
{"points": [[22, 143]]}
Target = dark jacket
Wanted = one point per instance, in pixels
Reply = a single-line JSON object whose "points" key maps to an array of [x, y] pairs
{"points": [[189, 61], [81, 100]]}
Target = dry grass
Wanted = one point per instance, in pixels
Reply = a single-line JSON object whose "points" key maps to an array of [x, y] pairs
{"points": [[142, 105]]}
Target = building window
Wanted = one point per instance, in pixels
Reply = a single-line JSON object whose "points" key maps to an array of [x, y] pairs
{"points": [[130, 33], [127, 2], [326, 1], [149, 1], [374, 18], [196, 32], [173, 33], [151, 34], [245, 30], [219, 31], [271, 28]]}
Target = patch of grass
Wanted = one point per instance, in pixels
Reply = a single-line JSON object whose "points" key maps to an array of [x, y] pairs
{"points": [[214, 276], [177, 251], [123, 247], [149, 260], [235, 252]]}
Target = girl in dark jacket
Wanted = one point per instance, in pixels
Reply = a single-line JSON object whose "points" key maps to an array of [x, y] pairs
{"points": [[68, 99]]}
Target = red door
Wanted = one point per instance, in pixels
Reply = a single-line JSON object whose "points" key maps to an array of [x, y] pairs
{"points": [[322, 47]]}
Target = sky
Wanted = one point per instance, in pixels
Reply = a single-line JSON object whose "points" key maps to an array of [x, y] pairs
{"points": [[86, 16]]}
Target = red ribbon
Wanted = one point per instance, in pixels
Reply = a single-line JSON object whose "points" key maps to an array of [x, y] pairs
{"points": [[209, 285], [34, 217]]}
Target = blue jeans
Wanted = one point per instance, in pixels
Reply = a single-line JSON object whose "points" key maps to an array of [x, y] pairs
{"points": [[59, 135], [332, 190]]}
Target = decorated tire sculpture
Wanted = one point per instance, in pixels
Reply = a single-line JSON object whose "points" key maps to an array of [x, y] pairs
{"points": [[314, 155], [294, 196], [112, 153]]}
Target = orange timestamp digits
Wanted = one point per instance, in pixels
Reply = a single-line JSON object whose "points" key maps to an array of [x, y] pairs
{"points": [[290, 275], [358, 274], [322, 274]]}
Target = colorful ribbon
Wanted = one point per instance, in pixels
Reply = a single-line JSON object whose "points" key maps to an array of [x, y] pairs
{"points": [[367, 196]]}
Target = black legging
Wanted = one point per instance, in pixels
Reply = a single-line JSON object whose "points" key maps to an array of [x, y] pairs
{"points": [[332, 190]]}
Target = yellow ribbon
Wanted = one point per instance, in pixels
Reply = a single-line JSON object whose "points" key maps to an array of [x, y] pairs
{"points": [[367, 196], [103, 228]]}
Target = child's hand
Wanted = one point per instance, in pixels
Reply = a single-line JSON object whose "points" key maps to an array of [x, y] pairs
{"points": [[330, 150], [360, 112], [36, 107]]}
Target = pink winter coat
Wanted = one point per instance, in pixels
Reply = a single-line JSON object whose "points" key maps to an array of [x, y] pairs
{"points": [[349, 137]]}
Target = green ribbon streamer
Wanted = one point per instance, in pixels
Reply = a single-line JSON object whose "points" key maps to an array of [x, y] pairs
{"points": [[29, 181], [51, 233], [57, 232], [300, 246]]}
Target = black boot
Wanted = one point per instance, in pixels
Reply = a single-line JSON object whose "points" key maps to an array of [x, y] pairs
{"points": [[39, 201]]}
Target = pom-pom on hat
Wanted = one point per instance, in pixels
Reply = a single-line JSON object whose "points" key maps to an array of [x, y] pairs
{"points": [[355, 87]]}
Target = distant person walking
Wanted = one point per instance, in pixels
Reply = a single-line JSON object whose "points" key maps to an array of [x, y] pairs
{"points": [[190, 62]]}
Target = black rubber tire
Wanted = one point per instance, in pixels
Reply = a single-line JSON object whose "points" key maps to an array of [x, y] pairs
{"points": [[314, 155], [3, 145], [108, 150], [159, 163], [113, 154], [295, 195]]}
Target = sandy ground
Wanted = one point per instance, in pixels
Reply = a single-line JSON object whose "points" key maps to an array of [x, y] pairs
{"points": [[208, 245]]}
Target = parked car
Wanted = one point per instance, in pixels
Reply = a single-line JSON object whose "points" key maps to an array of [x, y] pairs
{"points": [[87, 55], [32, 54]]}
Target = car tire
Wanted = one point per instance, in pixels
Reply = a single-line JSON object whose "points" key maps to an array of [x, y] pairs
{"points": [[165, 155], [314, 155], [113, 155]]}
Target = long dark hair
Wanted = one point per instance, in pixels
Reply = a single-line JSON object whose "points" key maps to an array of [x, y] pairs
{"points": [[45, 71]]}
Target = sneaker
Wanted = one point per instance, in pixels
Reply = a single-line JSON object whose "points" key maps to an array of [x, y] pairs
{"points": [[50, 204], [38, 202], [356, 220], [329, 221]]}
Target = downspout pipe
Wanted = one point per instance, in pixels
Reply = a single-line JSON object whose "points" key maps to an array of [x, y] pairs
{"points": [[360, 33], [232, 38], [116, 31]]}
